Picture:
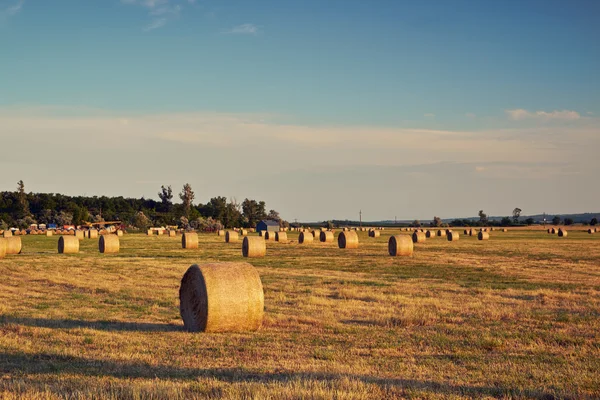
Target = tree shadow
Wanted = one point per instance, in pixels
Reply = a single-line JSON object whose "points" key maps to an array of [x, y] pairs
{"points": [[97, 325]]}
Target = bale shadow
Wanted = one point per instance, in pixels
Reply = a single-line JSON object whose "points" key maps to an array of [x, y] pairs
{"points": [[96, 325]]}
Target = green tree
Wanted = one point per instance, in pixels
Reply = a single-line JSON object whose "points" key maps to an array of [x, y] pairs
{"points": [[529, 221], [594, 221], [516, 215], [166, 197], [568, 221], [483, 217], [187, 197], [437, 221], [22, 200], [556, 220], [140, 221]]}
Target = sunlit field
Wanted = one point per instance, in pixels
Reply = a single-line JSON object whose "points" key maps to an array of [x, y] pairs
{"points": [[515, 316]]}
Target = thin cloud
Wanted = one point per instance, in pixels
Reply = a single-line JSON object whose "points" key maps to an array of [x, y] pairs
{"points": [[520, 114], [470, 115], [429, 115], [157, 23], [244, 29], [14, 9], [161, 11]]}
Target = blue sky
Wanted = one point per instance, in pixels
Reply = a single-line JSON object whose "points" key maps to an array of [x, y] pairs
{"points": [[509, 90]]}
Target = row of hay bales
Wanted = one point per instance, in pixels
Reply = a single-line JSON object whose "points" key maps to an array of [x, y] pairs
{"points": [[562, 232], [107, 244]]}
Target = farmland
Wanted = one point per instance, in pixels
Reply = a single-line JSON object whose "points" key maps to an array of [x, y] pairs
{"points": [[515, 316]]}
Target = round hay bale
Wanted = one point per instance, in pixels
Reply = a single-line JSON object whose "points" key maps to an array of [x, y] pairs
{"points": [[270, 235], [348, 240], [316, 233], [562, 232], [92, 234], [472, 232], [49, 233], [68, 245], [148, 232], [17, 233], [13, 245], [400, 245], [231, 236], [466, 231], [591, 231], [2, 247], [262, 234], [80, 235], [108, 244], [305, 238], [120, 233], [221, 297], [504, 230], [483, 236], [418, 237], [254, 246], [555, 231], [441, 233], [374, 234], [326, 237], [281, 237], [428, 234], [243, 232], [452, 237], [171, 233], [189, 240], [221, 232]]}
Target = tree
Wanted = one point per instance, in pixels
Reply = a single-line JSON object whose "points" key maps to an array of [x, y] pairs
{"points": [[529, 221], [568, 221], [253, 211], [22, 199], [166, 195], [556, 220], [274, 215], [516, 215], [187, 197], [416, 223], [437, 221], [483, 217], [140, 221], [505, 221], [594, 221]]}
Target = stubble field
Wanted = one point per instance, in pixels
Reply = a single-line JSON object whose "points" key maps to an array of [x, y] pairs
{"points": [[515, 316]]}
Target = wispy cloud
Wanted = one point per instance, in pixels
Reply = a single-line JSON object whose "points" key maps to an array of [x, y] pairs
{"points": [[429, 115], [244, 29], [13, 9], [470, 115], [522, 114], [160, 11]]}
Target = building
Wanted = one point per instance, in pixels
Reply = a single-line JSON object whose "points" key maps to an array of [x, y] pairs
{"points": [[267, 225]]}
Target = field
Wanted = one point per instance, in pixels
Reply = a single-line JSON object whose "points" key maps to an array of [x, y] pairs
{"points": [[517, 316]]}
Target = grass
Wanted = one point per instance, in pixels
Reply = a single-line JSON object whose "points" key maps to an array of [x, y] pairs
{"points": [[517, 316]]}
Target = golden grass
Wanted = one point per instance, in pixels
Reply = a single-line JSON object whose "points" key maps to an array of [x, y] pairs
{"points": [[514, 316]]}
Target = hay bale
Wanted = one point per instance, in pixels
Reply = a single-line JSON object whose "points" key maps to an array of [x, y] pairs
{"points": [[189, 240], [68, 245], [231, 237], [221, 232], [49, 233], [171, 233], [221, 297], [149, 232], [80, 235], [400, 245], [441, 233], [120, 233], [243, 232], [2, 247], [270, 235], [108, 244], [428, 234], [562, 232], [93, 234], [418, 237], [466, 231], [262, 234], [13, 245], [591, 231], [452, 237], [374, 234], [348, 240], [472, 232], [555, 231], [254, 246], [504, 230], [305, 238], [326, 237], [315, 233], [7, 233], [483, 236], [17, 233], [281, 237]]}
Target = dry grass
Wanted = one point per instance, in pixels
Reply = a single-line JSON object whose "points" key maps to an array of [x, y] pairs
{"points": [[515, 316]]}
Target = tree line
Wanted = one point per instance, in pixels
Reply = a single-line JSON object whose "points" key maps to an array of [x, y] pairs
{"points": [[21, 209]]}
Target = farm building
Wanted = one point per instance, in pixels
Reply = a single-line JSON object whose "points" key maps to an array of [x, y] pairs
{"points": [[267, 225]]}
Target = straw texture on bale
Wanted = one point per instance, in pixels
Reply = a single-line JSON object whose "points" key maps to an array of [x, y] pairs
{"points": [[590, 231], [270, 235], [400, 245], [48, 233], [13, 245], [92, 234], [221, 297], [374, 234], [80, 235], [243, 232], [2, 247], [452, 236], [159, 232], [418, 237], [554, 231], [108, 244], [472, 232], [281, 237], [254, 246], [172, 233], [221, 232], [326, 237], [441, 233], [428, 234], [189, 240], [120, 233], [316, 233], [262, 234], [483, 236], [68, 245], [504, 230], [305, 238], [7, 233], [562, 232], [231, 236], [348, 240]]}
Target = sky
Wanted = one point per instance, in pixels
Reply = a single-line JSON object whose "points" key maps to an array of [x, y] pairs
{"points": [[401, 109]]}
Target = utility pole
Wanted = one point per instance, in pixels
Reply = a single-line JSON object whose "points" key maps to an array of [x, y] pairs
{"points": [[395, 220], [544, 220], [360, 216]]}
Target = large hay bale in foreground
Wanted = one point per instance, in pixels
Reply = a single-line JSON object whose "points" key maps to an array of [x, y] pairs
{"points": [[326, 237], [2, 247], [418, 237], [562, 232], [254, 246], [108, 244], [231, 236], [400, 245], [68, 245], [305, 238], [221, 297], [189, 240], [348, 240], [452, 236], [483, 236], [441, 233], [374, 234], [281, 237], [13, 245]]}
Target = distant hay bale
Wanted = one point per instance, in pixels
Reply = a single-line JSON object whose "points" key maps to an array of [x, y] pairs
{"points": [[252, 230], [119, 233], [326, 237], [108, 244], [562, 232], [344, 229], [231, 237], [453, 236], [472, 232], [92, 234], [262, 234], [305, 238], [555, 231], [68, 245], [189, 240], [374, 234], [17, 233], [171, 233], [80, 235], [13, 245], [254, 246], [466, 231], [2, 247], [418, 237], [148, 232], [400, 245], [221, 297], [281, 237], [315, 233], [221, 232], [483, 236], [348, 240], [441, 233], [49, 233], [243, 232], [270, 236], [428, 234], [591, 231]]}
